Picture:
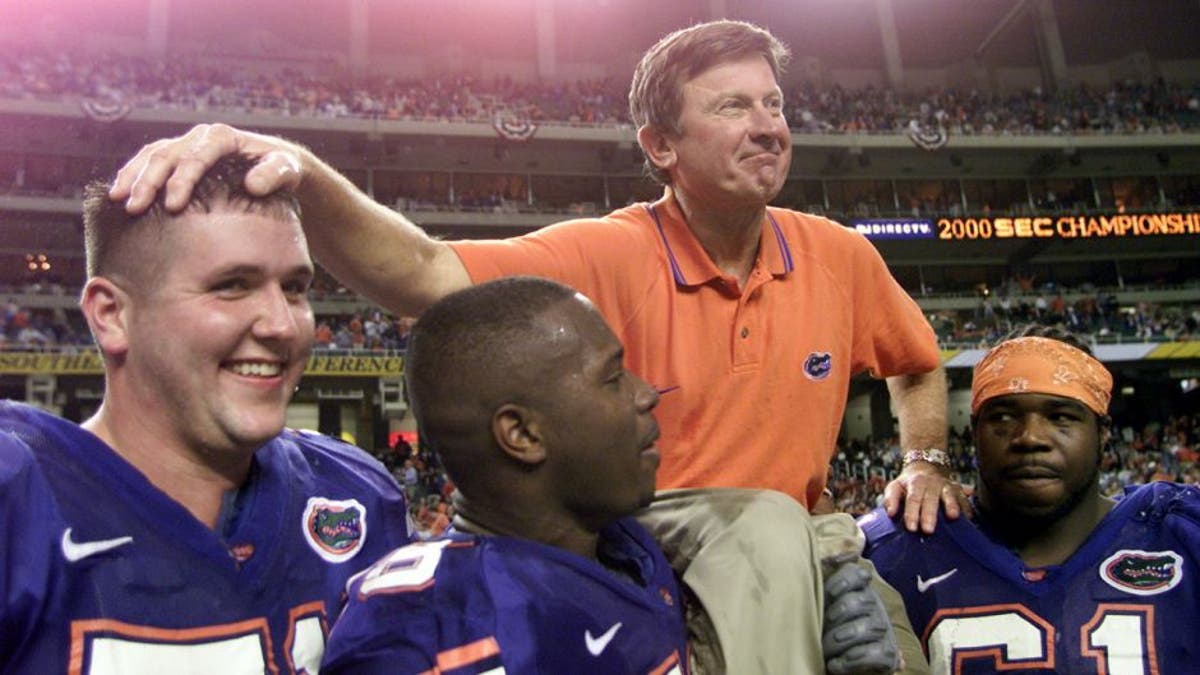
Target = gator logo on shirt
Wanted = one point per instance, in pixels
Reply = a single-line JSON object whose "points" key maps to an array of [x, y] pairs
{"points": [[1142, 572], [818, 365], [335, 529]]}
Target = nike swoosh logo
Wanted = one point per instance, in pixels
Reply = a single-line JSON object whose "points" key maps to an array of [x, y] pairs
{"points": [[924, 584], [597, 645], [75, 551]]}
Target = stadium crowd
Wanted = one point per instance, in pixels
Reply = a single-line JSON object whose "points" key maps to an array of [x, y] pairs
{"points": [[1096, 312], [56, 329], [189, 84], [425, 484], [23, 328], [184, 84]]}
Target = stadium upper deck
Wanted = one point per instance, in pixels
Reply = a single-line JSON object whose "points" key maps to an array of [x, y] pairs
{"points": [[1055, 109], [1065, 161], [1003, 44]]}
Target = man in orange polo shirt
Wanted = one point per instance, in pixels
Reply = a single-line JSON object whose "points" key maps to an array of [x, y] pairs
{"points": [[749, 320]]}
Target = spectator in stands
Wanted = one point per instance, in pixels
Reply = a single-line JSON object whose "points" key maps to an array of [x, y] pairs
{"points": [[343, 339], [718, 266], [323, 336], [433, 517], [1052, 575], [410, 479], [182, 517]]}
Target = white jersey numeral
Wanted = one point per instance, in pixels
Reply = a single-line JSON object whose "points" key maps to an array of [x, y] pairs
{"points": [[406, 569], [108, 647], [124, 656], [1119, 638]]}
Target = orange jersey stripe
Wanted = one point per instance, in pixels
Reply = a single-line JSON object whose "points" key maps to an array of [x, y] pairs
{"points": [[662, 668], [467, 654]]}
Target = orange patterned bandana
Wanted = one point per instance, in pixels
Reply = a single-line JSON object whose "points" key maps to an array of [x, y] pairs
{"points": [[1035, 365]]}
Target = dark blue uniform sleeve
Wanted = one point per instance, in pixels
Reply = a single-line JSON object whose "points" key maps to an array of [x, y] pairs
{"points": [[29, 531], [390, 623]]}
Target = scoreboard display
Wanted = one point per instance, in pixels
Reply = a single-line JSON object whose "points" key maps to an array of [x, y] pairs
{"points": [[1175, 223]]}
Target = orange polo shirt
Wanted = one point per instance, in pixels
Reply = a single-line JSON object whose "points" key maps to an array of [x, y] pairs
{"points": [[754, 380]]}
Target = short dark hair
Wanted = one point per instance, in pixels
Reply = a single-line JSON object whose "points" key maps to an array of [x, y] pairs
{"points": [[471, 352], [111, 235], [656, 93]]}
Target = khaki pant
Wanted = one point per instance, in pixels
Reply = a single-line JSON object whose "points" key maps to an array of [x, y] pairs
{"points": [[752, 560]]}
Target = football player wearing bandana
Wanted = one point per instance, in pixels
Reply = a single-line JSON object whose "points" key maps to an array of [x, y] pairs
{"points": [[1051, 576]]}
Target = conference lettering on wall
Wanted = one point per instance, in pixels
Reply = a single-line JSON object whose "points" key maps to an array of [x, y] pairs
{"points": [[1062, 226], [89, 363]]}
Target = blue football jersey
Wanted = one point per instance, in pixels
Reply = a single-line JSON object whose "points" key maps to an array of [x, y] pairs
{"points": [[104, 574], [468, 604], [1126, 602]]}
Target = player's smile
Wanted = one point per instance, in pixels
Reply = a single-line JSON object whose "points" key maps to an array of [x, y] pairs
{"points": [[255, 369]]}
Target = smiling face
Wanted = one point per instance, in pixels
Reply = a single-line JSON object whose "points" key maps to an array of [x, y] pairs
{"points": [[1038, 454], [734, 147], [597, 417], [218, 342]]}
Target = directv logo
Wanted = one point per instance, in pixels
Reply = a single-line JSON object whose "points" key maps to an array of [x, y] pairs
{"points": [[906, 228]]}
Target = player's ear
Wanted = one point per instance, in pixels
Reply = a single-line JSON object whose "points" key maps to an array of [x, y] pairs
{"points": [[105, 306], [658, 147], [518, 434]]}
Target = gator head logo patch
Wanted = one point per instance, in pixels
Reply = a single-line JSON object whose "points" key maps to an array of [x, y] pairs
{"points": [[818, 365], [335, 529], [1142, 572]]}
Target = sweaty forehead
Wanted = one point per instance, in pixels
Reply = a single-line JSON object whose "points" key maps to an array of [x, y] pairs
{"points": [[572, 327]]}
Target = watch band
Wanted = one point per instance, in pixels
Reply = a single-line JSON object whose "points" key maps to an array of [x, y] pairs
{"points": [[935, 456]]}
